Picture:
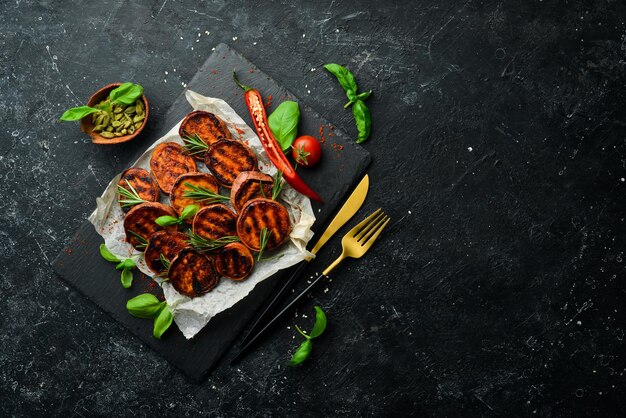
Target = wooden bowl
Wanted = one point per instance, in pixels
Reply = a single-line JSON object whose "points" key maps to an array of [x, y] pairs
{"points": [[87, 126]]}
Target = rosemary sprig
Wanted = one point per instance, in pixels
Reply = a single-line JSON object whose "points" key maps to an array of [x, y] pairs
{"points": [[143, 243], [262, 189], [264, 237], [205, 244], [194, 144], [202, 194], [277, 187], [164, 261], [131, 197]]}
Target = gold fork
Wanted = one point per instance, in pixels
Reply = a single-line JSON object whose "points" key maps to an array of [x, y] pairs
{"points": [[354, 244], [360, 238]]}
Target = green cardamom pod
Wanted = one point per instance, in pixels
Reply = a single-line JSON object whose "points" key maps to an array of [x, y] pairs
{"points": [[138, 118], [138, 125], [107, 134], [129, 110]]}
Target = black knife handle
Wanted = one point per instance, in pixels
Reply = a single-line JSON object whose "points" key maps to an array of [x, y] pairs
{"points": [[274, 302], [286, 309]]}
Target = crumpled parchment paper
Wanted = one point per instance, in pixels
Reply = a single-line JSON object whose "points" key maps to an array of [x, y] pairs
{"points": [[191, 315]]}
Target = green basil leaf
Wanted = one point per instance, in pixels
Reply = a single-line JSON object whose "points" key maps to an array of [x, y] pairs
{"points": [[77, 113], [190, 210], [320, 323], [120, 90], [126, 94], [126, 264], [363, 120], [127, 278], [302, 353], [108, 255], [162, 322], [284, 123], [166, 220], [364, 95], [144, 306], [345, 78]]}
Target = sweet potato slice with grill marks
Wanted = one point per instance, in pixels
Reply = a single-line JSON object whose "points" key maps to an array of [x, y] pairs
{"points": [[209, 127], [226, 159], [168, 162], [166, 243], [247, 186], [192, 273], [177, 194], [143, 183], [234, 261], [140, 220], [215, 221], [263, 213]]}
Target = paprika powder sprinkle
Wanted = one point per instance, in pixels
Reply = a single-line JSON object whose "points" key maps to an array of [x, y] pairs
{"points": [[322, 137]]}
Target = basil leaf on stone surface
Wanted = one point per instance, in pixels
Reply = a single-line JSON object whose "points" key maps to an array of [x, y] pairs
{"points": [[363, 120], [302, 353], [162, 322], [284, 123], [108, 255], [77, 113], [126, 265], [144, 306], [320, 323], [364, 95], [127, 278], [345, 78]]}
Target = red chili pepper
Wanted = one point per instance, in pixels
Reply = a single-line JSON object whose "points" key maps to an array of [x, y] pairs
{"points": [[254, 100]]}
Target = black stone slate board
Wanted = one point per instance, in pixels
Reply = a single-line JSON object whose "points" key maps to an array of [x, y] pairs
{"points": [[81, 265]]}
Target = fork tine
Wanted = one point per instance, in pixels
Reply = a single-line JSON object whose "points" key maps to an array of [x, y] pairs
{"points": [[372, 228], [369, 225], [367, 244], [360, 225]]}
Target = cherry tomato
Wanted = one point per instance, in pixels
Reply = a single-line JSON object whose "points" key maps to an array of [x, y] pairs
{"points": [[306, 150]]}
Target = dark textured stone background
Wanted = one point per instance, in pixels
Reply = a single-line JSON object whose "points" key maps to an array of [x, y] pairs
{"points": [[498, 148]]}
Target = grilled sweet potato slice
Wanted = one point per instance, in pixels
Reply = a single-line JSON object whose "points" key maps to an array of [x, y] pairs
{"points": [[248, 185], [142, 182], [209, 127], [192, 273], [263, 213], [226, 159], [166, 243], [177, 194], [140, 220], [168, 162], [215, 221], [234, 261]]}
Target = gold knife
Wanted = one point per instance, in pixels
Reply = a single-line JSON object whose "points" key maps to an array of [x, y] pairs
{"points": [[347, 211]]}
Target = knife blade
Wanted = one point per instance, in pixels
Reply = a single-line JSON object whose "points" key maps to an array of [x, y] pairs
{"points": [[347, 211]]}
